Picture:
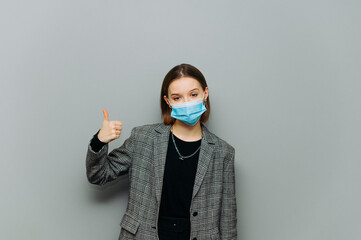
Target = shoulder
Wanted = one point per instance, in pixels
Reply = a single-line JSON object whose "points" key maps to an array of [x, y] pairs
{"points": [[225, 150], [221, 144], [148, 129]]}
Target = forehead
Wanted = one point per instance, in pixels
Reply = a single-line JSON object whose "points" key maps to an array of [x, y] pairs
{"points": [[183, 85]]}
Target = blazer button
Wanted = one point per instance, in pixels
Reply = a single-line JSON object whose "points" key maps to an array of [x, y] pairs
{"points": [[195, 214]]}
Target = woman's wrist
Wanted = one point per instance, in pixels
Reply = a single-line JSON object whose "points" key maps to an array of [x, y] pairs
{"points": [[95, 143]]}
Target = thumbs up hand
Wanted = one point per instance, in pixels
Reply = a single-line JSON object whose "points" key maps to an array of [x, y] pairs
{"points": [[110, 130]]}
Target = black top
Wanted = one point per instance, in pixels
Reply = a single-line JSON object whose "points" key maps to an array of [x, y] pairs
{"points": [[179, 176]]}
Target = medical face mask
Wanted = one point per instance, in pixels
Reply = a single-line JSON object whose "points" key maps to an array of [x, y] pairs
{"points": [[188, 112]]}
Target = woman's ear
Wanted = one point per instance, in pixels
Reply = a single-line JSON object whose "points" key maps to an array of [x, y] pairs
{"points": [[166, 100], [206, 91]]}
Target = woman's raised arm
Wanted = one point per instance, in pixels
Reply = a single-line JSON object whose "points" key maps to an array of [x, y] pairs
{"points": [[102, 167]]}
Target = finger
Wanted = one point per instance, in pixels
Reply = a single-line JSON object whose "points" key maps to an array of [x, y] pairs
{"points": [[115, 124], [106, 115], [118, 128], [118, 123]]}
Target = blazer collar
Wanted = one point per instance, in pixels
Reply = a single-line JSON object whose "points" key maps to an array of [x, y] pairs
{"points": [[206, 135]]}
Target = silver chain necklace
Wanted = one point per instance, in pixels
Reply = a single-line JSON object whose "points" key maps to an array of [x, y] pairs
{"points": [[180, 156]]}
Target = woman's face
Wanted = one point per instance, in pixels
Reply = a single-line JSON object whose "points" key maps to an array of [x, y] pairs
{"points": [[185, 89]]}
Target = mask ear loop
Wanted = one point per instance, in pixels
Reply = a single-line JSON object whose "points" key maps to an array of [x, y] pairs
{"points": [[169, 105]]}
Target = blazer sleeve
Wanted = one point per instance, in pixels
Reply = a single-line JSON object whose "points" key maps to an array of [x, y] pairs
{"points": [[228, 221], [102, 167]]}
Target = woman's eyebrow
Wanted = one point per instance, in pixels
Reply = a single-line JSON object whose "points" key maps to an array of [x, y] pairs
{"points": [[194, 89], [189, 91]]}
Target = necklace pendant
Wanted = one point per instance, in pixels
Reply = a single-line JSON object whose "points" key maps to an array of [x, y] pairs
{"points": [[181, 158]]}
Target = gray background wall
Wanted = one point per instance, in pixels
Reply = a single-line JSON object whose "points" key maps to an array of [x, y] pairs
{"points": [[284, 80]]}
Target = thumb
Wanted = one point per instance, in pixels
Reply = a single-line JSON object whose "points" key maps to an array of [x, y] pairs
{"points": [[106, 115]]}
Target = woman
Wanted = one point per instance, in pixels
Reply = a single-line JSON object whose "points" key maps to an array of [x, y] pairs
{"points": [[181, 176]]}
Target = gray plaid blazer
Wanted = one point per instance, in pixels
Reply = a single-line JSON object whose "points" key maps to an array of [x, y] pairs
{"points": [[143, 156]]}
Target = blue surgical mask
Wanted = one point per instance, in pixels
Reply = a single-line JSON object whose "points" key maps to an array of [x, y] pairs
{"points": [[188, 112]]}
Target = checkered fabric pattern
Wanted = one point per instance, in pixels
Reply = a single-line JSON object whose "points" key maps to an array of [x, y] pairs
{"points": [[142, 156]]}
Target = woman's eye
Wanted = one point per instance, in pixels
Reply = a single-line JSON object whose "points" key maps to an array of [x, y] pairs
{"points": [[176, 98], [194, 94]]}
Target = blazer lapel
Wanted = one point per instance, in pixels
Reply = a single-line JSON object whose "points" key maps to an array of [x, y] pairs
{"points": [[205, 157], [160, 153]]}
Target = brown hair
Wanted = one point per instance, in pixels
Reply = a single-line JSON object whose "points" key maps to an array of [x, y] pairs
{"points": [[182, 70]]}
